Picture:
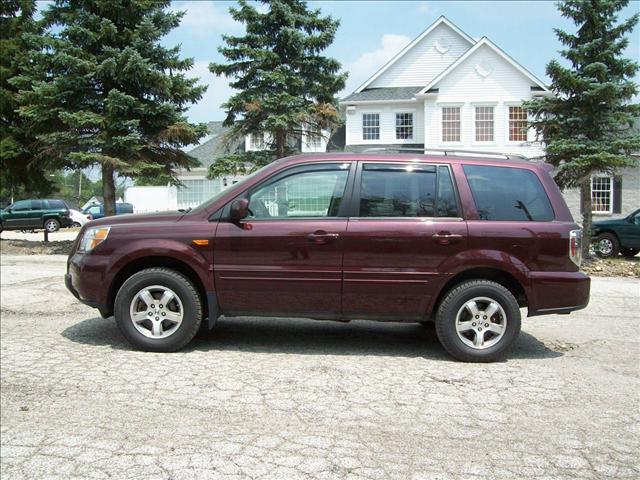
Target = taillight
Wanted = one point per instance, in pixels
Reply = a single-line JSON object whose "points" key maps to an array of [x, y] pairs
{"points": [[575, 246]]}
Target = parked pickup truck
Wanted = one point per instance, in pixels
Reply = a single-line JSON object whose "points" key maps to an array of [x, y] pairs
{"points": [[618, 235], [464, 242]]}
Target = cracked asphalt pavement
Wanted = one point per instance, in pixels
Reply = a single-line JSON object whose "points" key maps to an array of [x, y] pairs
{"points": [[303, 399]]}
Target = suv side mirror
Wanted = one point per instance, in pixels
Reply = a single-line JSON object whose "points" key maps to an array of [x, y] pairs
{"points": [[239, 209]]}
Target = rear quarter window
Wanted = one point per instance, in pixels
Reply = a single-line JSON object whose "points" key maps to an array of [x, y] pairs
{"points": [[56, 204], [508, 194]]}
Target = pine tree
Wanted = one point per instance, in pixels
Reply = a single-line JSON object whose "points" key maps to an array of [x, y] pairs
{"points": [[286, 86], [19, 173], [103, 90], [587, 124]]}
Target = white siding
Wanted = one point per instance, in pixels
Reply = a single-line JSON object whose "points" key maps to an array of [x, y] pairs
{"points": [[502, 87], [309, 146], [422, 63], [387, 123]]}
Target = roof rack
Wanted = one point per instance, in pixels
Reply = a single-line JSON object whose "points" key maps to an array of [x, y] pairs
{"points": [[446, 152]]}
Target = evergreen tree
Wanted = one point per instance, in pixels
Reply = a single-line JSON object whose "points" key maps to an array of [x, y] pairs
{"points": [[286, 86], [103, 90], [587, 124], [19, 173]]}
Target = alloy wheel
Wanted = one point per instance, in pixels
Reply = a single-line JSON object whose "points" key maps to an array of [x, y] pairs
{"points": [[156, 312], [481, 322], [605, 247]]}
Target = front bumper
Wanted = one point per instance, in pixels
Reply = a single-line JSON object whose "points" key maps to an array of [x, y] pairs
{"points": [[558, 292], [85, 281]]}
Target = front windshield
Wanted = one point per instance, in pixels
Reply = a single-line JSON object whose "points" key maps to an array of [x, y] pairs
{"points": [[208, 203]]}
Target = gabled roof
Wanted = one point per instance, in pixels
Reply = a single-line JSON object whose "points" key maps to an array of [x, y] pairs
{"points": [[382, 94], [441, 20], [485, 41]]}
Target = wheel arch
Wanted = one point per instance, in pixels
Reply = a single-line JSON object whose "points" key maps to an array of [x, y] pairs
{"points": [[502, 277], [145, 262]]}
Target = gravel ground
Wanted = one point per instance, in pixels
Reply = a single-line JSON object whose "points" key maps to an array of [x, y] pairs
{"points": [[297, 399]]}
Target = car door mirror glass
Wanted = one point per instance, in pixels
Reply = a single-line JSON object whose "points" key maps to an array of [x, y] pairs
{"points": [[239, 209]]}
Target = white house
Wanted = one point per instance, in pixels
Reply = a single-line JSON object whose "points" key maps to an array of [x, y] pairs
{"points": [[448, 91], [445, 90]]}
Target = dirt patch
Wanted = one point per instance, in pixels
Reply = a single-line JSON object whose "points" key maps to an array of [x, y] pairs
{"points": [[29, 247], [612, 267]]}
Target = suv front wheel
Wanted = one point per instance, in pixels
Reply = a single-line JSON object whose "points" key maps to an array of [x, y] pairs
{"points": [[158, 310], [478, 321]]}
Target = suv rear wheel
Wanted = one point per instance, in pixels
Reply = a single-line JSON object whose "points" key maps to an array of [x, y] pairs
{"points": [[607, 245], [478, 321], [158, 310], [51, 225]]}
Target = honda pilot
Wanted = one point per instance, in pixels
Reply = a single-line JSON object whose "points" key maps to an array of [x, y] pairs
{"points": [[465, 242]]}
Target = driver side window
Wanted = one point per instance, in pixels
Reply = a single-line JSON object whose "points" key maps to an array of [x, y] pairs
{"points": [[311, 193]]}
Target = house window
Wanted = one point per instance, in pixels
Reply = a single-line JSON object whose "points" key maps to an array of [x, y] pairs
{"points": [[484, 124], [404, 126], [517, 124], [257, 141], [314, 141], [601, 194], [371, 126], [450, 124]]}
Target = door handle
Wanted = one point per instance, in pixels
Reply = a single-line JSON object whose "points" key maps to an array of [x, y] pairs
{"points": [[446, 238], [320, 236]]}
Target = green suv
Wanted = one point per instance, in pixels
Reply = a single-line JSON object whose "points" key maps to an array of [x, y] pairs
{"points": [[620, 235], [31, 214]]}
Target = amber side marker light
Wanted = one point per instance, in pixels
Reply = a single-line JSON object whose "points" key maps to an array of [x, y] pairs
{"points": [[201, 243]]}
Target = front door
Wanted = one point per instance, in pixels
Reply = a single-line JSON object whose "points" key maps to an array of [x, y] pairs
{"points": [[406, 224], [630, 231], [19, 215], [286, 257]]}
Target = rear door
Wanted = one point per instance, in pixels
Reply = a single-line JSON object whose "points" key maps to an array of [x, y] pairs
{"points": [[405, 224], [286, 257], [34, 219]]}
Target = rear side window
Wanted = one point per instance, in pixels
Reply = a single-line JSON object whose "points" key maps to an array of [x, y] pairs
{"points": [[56, 204], [409, 190], [508, 194], [36, 204]]}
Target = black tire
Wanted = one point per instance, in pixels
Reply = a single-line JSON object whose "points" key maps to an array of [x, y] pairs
{"points": [[75, 225], [51, 225], [455, 300], [627, 252], [183, 288], [607, 245]]}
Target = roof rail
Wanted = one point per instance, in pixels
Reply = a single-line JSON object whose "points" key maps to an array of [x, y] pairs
{"points": [[445, 152]]}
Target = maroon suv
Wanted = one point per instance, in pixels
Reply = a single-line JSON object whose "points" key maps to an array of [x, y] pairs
{"points": [[465, 242]]}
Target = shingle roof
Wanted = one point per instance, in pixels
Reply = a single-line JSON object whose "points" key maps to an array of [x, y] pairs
{"points": [[388, 93], [215, 144]]}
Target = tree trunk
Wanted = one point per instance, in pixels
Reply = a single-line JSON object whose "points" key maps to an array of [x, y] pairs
{"points": [[281, 143], [585, 199], [108, 190]]}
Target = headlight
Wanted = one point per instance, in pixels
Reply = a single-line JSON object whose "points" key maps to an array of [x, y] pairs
{"points": [[92, 238]]}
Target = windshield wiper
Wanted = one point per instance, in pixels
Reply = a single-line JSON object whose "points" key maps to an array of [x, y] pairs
{"points": [[522, 207]]}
